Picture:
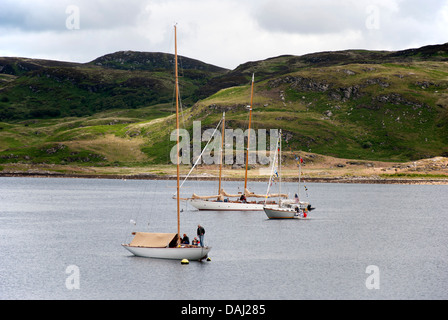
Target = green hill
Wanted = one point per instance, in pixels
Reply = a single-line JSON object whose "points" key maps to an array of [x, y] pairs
{"points": [[366, 111], [117, 109], [32, 88]]}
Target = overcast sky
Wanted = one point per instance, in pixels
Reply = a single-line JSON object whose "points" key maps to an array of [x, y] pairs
{"points": [[225, 33]]}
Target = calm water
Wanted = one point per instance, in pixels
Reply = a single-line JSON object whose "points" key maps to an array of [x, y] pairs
{"points": [[47, 225]]}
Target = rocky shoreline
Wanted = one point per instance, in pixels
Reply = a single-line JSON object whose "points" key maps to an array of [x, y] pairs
{"points": [[353, 180], [316, 168]]}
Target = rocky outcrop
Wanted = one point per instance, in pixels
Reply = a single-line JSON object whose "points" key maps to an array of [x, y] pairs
{"points": [[398, 99], [343, 94], [300, 84]]}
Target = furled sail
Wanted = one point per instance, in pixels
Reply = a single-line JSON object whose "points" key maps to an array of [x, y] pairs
{"points": [[247, 193], [219, 197], [154, 240]]}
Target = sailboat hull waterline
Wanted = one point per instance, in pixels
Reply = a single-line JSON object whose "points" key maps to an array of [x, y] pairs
{"points": [[279, 213], [164, 246], [227, 206], [189, 253]]}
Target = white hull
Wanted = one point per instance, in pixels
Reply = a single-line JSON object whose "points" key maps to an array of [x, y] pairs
{"points": [[227, 206], [282, 213], [190, 253]]}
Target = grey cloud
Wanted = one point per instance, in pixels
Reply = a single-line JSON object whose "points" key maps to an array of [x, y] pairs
{"points": [[413, 24], [31, 16], [420, 10], [259, 28], [329, 16], [400, 23], [50, 15], [310, 17]]}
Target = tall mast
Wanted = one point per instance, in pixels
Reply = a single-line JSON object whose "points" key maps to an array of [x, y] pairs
{"points": [[222, 148], [300, 174], [280, 166], [248, 133], [177, 134]]}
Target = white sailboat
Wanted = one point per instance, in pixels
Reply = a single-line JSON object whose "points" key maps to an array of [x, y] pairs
{"points": [[222, 201], [167, 245], [164, 246], [286, 211], [288, 208]]}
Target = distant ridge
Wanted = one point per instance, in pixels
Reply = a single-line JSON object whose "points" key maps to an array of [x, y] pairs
{"points": [[150, 61]]}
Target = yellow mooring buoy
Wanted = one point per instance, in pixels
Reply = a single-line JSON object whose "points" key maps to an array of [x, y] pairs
{"points": [[185, 261]]}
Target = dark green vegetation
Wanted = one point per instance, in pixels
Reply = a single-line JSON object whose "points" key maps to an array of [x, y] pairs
{"points": [[124, 80], [117, 109]]}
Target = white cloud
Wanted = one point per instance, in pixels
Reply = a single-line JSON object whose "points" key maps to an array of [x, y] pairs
{"points": [[383, 24], [308, 17], [225, 33], [214, 31]]}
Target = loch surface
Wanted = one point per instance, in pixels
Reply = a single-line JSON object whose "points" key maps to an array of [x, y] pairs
{"points": [[61, 239]]}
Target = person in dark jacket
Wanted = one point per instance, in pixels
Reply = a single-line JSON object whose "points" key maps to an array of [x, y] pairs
{"points": [[201, 232], [185, 239]]}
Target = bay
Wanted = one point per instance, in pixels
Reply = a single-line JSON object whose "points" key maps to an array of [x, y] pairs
{"points": [[47, 226]]}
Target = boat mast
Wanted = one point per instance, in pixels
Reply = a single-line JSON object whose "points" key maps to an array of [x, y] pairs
{"points": [[280, 167], [248, 133], [177, 134], [274, 162], [300, 175], [222, 148]]}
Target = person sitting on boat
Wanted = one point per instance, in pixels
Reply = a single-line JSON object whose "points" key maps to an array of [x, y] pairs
{"points": [[243, 198], [301, 213], [185, 239], [195, 241]]}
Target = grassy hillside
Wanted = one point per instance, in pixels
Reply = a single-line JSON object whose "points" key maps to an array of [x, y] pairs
{"points": [[117, 110], [367, 111], [36, 89], [104, 139]]}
